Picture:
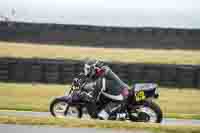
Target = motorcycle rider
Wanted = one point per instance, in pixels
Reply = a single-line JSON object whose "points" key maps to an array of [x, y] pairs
{"points": [[112, 87]]}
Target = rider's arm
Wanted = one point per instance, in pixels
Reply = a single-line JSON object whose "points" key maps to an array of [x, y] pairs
{"points": [[90, 86]]}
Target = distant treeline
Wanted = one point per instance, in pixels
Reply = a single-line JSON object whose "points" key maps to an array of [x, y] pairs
{"points": [[63, 71], [99, 36]]}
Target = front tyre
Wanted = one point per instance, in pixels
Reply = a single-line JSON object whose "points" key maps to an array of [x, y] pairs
{"points": [[60, 108], [149, 111]]}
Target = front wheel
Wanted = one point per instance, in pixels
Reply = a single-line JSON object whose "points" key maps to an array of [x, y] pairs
{"points": [[60, 108], [149, 111]]}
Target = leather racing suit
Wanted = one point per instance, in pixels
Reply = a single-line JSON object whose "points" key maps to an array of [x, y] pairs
{"points": [[112, 87]]}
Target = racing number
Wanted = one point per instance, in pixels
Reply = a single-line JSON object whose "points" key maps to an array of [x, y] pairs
{"points": [[140, 96]]}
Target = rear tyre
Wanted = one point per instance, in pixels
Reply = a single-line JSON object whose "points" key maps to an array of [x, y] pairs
{"points": [[149, 111], [60, 108]]}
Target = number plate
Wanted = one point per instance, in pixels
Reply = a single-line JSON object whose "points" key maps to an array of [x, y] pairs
{"points": [[139, 96]]}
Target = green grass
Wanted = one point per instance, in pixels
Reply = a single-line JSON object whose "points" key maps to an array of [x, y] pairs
{"points": [[183, 116], [175, 103], [28, 97], [109, 54], [99, 124]]}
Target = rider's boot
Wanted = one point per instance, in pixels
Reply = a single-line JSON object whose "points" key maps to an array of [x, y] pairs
{"points": [[103, 115], [110, 108]]}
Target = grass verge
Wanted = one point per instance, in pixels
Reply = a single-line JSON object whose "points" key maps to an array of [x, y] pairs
{"points": [[25, 50], [175, 103], [183, 116], [98, 124]]}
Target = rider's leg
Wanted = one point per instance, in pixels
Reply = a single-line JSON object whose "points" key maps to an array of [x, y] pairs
{"points": [[109, 108], [113, 106]]}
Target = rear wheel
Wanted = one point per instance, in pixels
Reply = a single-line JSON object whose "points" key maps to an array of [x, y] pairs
{"points": [[60, 108], [147, 112]]}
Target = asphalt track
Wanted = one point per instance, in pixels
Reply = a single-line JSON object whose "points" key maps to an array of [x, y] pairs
{"points": [[4, 128], [165, 121]]}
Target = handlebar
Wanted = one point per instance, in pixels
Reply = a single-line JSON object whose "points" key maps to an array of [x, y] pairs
{"points": [[77, 83]]}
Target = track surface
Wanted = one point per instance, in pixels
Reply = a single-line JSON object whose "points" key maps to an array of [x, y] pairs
{"points": [[4, 128], [47, 114]]}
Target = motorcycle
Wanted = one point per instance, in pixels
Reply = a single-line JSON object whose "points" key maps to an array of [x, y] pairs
{"points": [[138, 107]]}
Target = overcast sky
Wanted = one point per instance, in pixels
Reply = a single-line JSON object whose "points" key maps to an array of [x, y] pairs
{"points": [[128, 13]]}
